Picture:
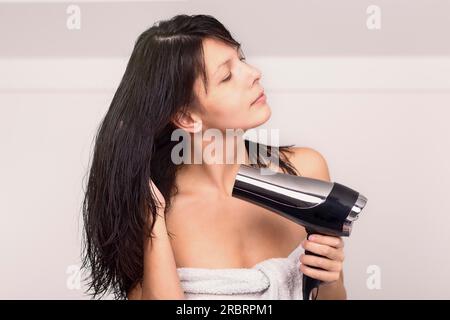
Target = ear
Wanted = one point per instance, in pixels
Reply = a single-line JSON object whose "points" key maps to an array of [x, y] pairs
{"points": [[188, 121]]}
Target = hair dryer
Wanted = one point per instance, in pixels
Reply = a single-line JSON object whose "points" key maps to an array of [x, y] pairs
{"points": [[322, 207]]}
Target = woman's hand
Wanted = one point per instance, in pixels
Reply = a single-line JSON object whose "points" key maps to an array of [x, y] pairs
{"points": [[332, 251]]}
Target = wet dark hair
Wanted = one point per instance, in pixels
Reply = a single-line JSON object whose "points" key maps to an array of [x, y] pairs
{"points": [[133, 146]]}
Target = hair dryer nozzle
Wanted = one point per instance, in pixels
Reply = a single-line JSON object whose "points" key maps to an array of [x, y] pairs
{"points": [[354, 214], [357, 208], [320, 206]]}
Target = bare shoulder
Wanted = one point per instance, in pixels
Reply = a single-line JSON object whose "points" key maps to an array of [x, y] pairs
{"points": [[309, 162]]}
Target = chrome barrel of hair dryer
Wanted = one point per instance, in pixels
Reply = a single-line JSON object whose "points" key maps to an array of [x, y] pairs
{"points": [[322, 207]]}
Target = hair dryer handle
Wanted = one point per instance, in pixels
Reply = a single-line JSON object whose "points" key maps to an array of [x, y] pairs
{"points": [[310, 283]]}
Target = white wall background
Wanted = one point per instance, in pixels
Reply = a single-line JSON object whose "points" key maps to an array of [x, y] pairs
{"points": [[381, 121]]}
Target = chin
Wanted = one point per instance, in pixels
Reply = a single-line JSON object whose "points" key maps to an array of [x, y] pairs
{"points": [[261, 115]]}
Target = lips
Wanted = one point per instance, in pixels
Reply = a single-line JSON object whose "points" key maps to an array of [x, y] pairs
{"points": [[259, 96]]}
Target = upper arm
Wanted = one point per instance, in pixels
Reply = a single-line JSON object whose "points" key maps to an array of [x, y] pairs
{"points": [[310, 163]]}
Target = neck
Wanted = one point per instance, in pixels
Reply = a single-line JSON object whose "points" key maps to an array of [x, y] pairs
{"points": [[214, 176]]}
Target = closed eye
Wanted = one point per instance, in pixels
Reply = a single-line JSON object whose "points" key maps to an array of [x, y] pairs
{"points": [[229, 76]]}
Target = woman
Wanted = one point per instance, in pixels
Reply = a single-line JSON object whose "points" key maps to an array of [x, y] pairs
{"points": [[147, 219]]}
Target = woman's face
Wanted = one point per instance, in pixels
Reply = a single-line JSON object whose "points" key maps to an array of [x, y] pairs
{"points": [[233, 86]]}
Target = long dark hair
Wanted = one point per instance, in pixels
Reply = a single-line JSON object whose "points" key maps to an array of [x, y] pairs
{"points": [[133, 146]]}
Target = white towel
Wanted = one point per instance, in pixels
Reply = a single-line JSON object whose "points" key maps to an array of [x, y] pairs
{"points": [[271, 279]]}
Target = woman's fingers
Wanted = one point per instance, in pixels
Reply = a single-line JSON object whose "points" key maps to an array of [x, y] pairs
{"points": [[325, 276], [335, 242], [330, 257], [322, 263], [324, 250]]}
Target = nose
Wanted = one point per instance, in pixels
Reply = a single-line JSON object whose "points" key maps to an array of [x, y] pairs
{"points": [[255, 74], [258, 74]]}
